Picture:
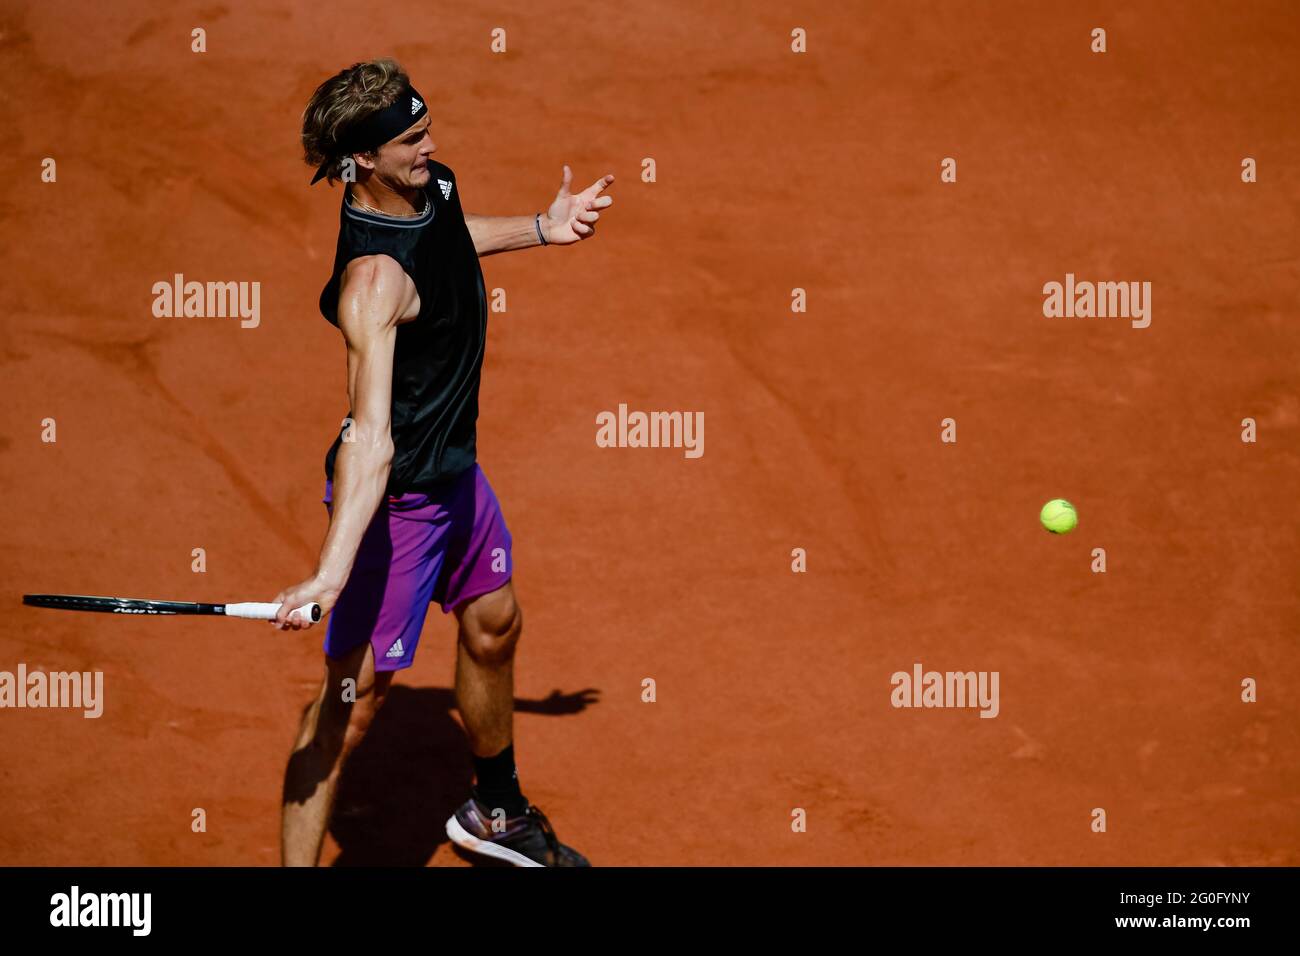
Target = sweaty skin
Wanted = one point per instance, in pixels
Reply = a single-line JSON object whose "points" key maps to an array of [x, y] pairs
{"points": [[375, 297]]}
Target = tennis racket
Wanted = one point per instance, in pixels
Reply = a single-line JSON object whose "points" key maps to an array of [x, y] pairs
{"points": [[252, 611]]}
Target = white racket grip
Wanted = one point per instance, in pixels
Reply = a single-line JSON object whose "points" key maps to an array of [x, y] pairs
{"points": [[257, 611]]}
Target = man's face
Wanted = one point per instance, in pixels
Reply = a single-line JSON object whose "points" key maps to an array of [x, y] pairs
{"points": [[403, 162]]}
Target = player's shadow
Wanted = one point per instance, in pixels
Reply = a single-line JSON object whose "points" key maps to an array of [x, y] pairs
{"points": [[410, 772]]}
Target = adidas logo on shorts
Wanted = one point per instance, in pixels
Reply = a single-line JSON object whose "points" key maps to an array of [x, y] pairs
{"points": [[396, 650]]}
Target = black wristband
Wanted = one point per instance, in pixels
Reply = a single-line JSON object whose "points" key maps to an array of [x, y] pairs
{"points": [[537, 223]]}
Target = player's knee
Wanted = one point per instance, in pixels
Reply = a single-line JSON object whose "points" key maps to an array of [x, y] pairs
{"points": [[358, 723], [328, 735], [492, 632], [339, 734], [344, 715]]}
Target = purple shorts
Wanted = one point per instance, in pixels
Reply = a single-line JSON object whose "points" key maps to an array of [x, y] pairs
{"points": [[449, 547]]}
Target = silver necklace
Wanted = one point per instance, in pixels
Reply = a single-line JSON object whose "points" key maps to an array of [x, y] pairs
{"points": [[366, 207]]}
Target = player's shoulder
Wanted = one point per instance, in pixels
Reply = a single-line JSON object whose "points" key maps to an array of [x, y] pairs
{"points": [[373, 291], [372, 278]]}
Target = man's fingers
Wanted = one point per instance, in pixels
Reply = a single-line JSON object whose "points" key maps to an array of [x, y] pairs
{"points": [[582, 229], [285, 618], [588, 216], [602, 182], [600, 203], [564, 182]]}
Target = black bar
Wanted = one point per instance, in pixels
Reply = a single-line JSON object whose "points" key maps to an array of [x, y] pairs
{"points": [[922, 904]]}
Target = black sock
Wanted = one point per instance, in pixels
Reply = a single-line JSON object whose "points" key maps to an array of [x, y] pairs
{"points": [[498, 783]]}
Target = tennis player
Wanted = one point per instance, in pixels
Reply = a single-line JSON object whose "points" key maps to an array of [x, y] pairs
{"points": [[412, 516]]}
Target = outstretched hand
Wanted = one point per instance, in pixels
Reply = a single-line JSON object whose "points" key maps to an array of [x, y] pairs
{"points": [[573, 217]]}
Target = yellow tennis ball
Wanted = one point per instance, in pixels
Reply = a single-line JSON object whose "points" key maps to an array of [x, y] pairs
{"points": [[1058, 516]]}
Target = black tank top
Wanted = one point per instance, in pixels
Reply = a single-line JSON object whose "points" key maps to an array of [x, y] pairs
{"points": [[438, 355]]}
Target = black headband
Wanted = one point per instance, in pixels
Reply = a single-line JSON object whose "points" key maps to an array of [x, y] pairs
{"points": [[378, 128]]}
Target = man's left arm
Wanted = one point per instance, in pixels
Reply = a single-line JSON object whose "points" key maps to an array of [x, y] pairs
{"points": [[571, 218]]}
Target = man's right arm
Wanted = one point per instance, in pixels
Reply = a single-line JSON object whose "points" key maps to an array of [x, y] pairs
{"points": [[374, 296]]}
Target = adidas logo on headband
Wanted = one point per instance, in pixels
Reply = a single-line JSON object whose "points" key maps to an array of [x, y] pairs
{"points": [[415, 105]]}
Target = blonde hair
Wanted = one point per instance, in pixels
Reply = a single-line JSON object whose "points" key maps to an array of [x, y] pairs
{"points": [[341, 101]]}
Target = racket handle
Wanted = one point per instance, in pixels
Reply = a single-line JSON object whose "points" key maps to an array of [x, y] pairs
{"points": [[257, 611]]}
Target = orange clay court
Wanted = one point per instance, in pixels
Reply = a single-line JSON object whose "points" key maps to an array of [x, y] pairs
{"points": [[774, 171]]}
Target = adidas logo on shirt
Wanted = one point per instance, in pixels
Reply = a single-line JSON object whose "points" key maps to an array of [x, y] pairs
{"points": [[446, 188], [396, 649]]}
